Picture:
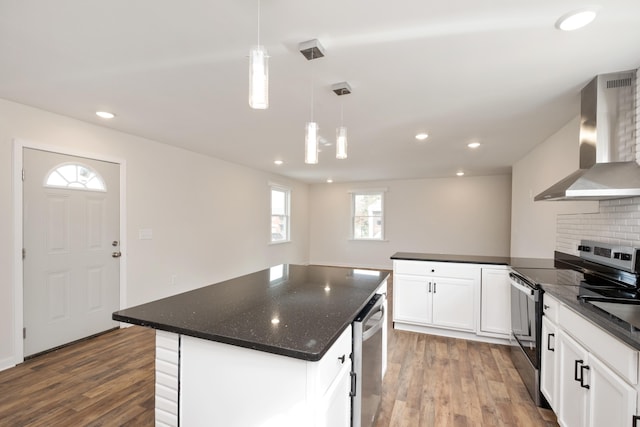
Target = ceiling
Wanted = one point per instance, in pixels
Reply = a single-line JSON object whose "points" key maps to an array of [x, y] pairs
{"points": [[493, 71]]}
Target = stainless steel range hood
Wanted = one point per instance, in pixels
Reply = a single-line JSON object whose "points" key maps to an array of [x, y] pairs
{"points": [[608, 169]]}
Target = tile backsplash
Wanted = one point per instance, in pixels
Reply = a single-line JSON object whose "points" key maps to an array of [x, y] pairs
{"points": [[617, 221]]}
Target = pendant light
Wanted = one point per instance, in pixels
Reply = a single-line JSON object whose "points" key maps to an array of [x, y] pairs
{"points": [[311, 143], [311, 50], [341, 89], [258, 74]]}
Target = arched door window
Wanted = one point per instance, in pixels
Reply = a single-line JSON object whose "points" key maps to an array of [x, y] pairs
{"points": [[75, 176]]}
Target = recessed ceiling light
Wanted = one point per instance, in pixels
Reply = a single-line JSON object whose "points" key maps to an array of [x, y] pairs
{"points": [[278, 162], [422, 136], [329, 181], [460, 173], [105, 114], [473, 145], [576, 19]]}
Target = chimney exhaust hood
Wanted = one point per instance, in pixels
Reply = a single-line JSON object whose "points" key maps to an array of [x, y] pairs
{"points": [[608, 167]]}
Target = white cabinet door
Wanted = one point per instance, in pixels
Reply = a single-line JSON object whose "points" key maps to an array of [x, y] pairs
{"points": [[453, 303], [572, 397], [612, 402], [411, 299], [548, 382], [495, 314], [337, 402]]}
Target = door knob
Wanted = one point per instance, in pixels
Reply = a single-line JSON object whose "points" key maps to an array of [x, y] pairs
{"points": [[116, 254]]}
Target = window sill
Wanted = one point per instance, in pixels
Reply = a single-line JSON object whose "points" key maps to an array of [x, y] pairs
{"points": [[280, 242], [367, 240]]}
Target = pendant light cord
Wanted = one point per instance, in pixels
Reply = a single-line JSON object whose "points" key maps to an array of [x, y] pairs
{"points": [[259, 22], [312, 69]]}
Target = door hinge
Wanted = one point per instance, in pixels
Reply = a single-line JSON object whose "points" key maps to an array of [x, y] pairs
{"points": [[24, 333], [22, 174], [24, 253]]}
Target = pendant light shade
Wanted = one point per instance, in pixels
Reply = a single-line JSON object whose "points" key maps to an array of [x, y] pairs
{"points": [[311, 143], [258, 78], [341, 89], [341, 143]]}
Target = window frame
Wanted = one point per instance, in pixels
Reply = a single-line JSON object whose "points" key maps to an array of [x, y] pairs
{"points": [[367, 192], [287, 208]]}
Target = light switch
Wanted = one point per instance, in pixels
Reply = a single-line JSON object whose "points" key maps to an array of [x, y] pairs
{"points": [[145, 234]]}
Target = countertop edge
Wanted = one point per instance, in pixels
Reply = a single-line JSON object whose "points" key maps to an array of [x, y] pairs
{"points": [[281, 351], [460, 259], [307, 356], [618, 328]]}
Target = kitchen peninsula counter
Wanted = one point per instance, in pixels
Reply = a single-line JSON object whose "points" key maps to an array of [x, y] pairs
{"points": [[476, 259]]}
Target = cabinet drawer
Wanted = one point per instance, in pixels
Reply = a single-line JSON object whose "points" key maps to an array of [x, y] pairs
{"points": [[620, 357], [550, 307], [441, 269], [330, 364]]}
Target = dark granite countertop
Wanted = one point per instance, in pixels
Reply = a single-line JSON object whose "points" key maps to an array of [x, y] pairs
{"points": [[616, 327], [477, 259], [299, 314], [563, 284]]}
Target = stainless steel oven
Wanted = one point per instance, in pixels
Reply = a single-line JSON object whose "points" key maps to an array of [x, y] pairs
{"points": [[526, 328]]}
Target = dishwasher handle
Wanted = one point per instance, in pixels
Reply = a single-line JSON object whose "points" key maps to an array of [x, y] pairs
{"points": [[371, 331], [522, 288]]}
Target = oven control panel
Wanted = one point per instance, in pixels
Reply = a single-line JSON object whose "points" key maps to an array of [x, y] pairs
{"points": [[623, 257]]}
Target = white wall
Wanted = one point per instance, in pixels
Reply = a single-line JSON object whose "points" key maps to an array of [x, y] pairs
{"points": [[533, 224], [469, 215], [210, 218]]}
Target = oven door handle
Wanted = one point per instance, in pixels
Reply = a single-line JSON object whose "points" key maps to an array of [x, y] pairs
{"points": [[524, 289]]}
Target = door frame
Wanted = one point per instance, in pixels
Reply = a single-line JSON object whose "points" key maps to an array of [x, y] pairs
{"points": [[18, 232]]}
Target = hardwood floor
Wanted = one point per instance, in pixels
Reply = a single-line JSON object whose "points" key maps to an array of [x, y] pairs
{"points": [[104, 381], [436, 381], [109, 381]]}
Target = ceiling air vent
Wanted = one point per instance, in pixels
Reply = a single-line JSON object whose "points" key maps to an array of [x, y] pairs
{"points": [[623, 82]]}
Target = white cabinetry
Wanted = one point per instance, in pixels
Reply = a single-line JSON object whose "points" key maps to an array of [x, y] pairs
{"points": [[612, 402], [549, 351], [411, 299], [435, 294], [495, 302], [226, 385], [590, 378], [572, 382]]}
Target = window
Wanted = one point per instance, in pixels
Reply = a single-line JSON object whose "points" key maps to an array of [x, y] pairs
{"points": [[280, 217], [367, 215], [76, 176]]}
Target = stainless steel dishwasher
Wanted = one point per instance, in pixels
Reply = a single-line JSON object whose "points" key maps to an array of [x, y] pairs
{"points": [[366, 380]]}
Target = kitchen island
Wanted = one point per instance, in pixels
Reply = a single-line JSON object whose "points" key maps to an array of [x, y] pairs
{"points": [[268, 348]]}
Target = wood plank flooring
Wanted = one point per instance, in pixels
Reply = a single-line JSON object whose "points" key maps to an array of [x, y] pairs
{"points": [[109, 381], [434, 381], [104, 381]]}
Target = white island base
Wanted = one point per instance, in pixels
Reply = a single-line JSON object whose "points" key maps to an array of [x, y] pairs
{"points": [[206, 383]]}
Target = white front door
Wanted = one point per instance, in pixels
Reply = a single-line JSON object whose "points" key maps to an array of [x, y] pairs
{"points": [[71, 248]]}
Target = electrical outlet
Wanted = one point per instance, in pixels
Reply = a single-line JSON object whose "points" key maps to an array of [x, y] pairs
{"points": [[174, 279]]}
